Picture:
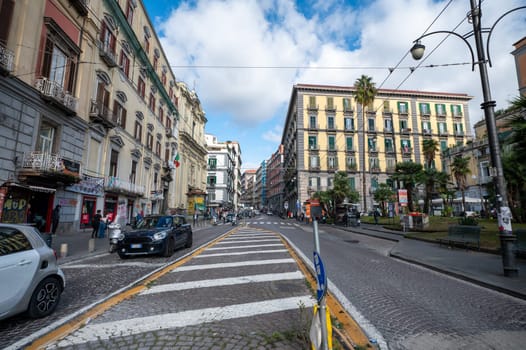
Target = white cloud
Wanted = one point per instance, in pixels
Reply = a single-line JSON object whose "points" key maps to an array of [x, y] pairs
{"points": [[273, 33]]}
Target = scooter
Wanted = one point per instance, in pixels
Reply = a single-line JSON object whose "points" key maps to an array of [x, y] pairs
{"points": [[114, 234], [234, 221]]}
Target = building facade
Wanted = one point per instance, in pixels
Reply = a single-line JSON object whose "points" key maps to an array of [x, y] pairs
{"points": [[326, 131], [275, 182], [248, 181], [90, 106]]}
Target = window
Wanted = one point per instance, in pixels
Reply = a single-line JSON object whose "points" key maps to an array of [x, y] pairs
{"points": [[387, 107], [402, 108], [424, 109], [443, 145], [347, 105], [212, 163], [456, 110], [146, 44], [312, 122], [149, 141], [314, 162], [133, 172], [163, 78], [330, 103], [459, 129], [442, 128], [161, 114], [13, 241], [371, 124], [332, 142], [440, 109], [312, 102], [352, 183], [314, 182], [313, 142], [211, 180], [349, 143], [46, 138], [155, 63], [403, 126], [151, 102], [60, 57], [108, 39], [158, 148], [350, 162], [388, 125], [124, 63], [330, 182], [166, 155], [141, 87], [119, 114], [129, 12], [371, 142], [114, 162], [330, 122], [389, 145], [391, 164], [138, 131], [426, 127], [155, 180], [406, 145], [332, 162], [168, 123], [349, 124]]}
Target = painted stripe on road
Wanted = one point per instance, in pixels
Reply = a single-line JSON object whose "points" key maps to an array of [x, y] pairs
{"points": [[238, 238], [248, 252], [112, 265], [123, 328], [219, 282], [249, 241], [248, 246], [234, 264]]}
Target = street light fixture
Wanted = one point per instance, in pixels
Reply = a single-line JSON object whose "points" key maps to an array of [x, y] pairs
{"points": [[507, 238]]}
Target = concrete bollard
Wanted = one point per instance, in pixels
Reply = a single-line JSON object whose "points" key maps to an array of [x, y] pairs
{"points": [[91, 245], [63, 250]]}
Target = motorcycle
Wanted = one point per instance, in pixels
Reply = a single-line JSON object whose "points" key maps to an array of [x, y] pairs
{"points": [[114, 234], [234, 221]]}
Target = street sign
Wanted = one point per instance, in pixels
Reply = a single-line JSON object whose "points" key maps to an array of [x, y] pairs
{"points": [[321, 277], [286, 205]]}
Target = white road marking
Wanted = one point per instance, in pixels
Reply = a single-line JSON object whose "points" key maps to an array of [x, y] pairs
{"points": [[269, 277], [248, 252], [248, 246], [113, 265], [234, 264], [123, 328], [250, 241]]}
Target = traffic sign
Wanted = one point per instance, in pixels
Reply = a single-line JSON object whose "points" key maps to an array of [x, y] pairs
{"points": [[286, 205], [321, 277]]}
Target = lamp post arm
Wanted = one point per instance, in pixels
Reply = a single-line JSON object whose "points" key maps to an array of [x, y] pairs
{"points": [[493, 27], [462, 37]]}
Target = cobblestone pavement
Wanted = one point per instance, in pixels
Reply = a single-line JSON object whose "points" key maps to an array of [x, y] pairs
{"points": [[245, 292]]}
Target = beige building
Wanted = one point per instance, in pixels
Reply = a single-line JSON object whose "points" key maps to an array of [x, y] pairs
{"points": [[325, 131], [99, 114]]}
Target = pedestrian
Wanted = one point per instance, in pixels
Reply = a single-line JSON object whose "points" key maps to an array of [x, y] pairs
{"points": [[55, 218], [376, 215], [95, 223], [195, 219]]}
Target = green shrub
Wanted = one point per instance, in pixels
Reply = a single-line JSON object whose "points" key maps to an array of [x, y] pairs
{"points": [[468, 221]]}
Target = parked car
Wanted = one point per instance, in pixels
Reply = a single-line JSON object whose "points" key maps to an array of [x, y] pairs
{"points": [[31, 280], [155, 234]]}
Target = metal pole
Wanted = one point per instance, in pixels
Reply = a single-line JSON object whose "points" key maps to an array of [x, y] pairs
{"points": [[323, 303], [506, 236]]}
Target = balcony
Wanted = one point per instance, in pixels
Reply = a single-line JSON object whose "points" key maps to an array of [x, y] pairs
{"points": [[405, 131], [117, 185], [99, 113], [82, 6], [459, 133], [390, 170], [427, 132], [406, 152], [351, 167], [54, 93], [330, 108], [375, 170], [457, 115], [389, 150], [388, 130], [312, 107], [314, 148], [107, 54], [6, 60], [348, 110], [49, 168], [442, 132], [387, 112]]}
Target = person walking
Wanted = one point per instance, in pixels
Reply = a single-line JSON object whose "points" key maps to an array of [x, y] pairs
{"points": [[95, 223], [55, 218], [376, 214]]}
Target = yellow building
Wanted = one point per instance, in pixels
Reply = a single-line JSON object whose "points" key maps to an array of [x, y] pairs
{"points": [[326, 131]]}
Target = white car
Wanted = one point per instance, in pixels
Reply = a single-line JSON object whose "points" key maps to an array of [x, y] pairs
{"points": [[31, 280]]}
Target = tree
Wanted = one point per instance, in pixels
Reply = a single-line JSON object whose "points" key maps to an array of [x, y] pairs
{"points": [[384, 193], [334, 197], [408, 174], [365, 94], [460, 170], [433, 181], [429, 147]]}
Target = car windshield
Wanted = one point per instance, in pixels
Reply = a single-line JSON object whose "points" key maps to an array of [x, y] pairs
{"points": [[155, 221]]}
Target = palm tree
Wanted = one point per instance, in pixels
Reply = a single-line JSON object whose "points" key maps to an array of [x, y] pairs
{"points": [[460, 170], [365, 94], [429, 147]]}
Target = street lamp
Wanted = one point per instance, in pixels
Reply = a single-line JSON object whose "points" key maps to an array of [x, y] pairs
{"points": [[507, 238]]}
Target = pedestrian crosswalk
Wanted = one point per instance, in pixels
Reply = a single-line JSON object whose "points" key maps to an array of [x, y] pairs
{"points": [[246, 276]]}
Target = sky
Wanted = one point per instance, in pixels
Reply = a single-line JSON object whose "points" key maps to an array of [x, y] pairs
{"points": [[243, 57]]}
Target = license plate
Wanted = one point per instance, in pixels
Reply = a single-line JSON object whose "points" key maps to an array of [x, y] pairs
{"points": [[136, 246]]}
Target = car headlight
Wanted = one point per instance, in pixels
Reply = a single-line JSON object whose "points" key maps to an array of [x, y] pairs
{"points": [[160, 235]]}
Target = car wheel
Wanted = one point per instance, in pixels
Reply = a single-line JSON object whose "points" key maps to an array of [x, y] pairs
{"points": [[122, 255], [169, 247], [188, 241], [45, 298]]}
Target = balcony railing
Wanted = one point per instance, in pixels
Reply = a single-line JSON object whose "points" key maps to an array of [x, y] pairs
{"points": [[101, 113], [49, 166], [107, 54], [7, 58], [54, 90], [42, 161], [405, 131], [112, 183]]}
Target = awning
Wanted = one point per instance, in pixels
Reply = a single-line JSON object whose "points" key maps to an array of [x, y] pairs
{"points": [[30, 187]]}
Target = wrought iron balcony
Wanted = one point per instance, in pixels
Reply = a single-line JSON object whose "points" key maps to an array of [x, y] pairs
{"points": [[7, 58], [55, 92], [115, 184], [107, 54], [99, 113], [49, 166]]}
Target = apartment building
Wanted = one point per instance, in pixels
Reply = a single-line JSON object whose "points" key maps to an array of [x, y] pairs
{"points": [[91, 114], [260, 186], [248, 181], [224, 175], [326, 131], [275, 181]]}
